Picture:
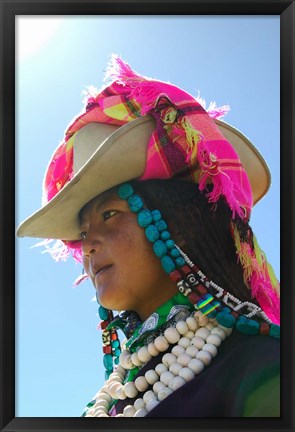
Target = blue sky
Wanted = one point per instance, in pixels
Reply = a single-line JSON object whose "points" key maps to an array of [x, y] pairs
{"points": [[231, 60]]}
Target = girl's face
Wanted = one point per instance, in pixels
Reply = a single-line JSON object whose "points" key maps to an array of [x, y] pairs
{"points": [[119, 259]]}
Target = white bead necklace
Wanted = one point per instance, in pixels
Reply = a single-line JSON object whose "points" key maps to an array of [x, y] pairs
{"points": [[196, 339]]}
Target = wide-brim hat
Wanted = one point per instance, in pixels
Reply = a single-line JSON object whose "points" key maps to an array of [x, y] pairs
{"points": [[99, 166]]}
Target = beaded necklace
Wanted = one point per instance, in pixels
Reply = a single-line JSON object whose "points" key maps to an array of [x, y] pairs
{"points": [[195, 339]]}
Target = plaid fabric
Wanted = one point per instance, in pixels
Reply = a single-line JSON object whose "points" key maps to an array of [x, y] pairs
{"points": [[187, 145]]}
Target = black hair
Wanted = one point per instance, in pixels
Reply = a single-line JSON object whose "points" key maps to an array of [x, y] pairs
{"points": [[200, 228]]}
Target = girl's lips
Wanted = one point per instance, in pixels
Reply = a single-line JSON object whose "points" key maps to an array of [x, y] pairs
{"points": [[103, 270]]}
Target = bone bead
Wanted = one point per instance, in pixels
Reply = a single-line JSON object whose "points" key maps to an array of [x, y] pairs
{"points": [[161, 343], [196, 365], [182, 327], [198, 342], [226, 330], [164, 393], [151, 376], [166, 377], [129, 411], [184, 359], [176, 382], [113, 389], [192, 351], [187, 374], [189, 335], [130, 389], [172, 335], [211, 348], [141, 384], [203, 333], [152, 349], [192, 323], [148, 396], [151, 404], [184, 342], [160, 368], [135, 360], [142, 412], [168, 359], [210, 326], [177, 350], [202, 319], [219, 332], [120, 394], [158, 386], [175, 368], [205, 357], [143, 355], [214, 339], [139, 403]]}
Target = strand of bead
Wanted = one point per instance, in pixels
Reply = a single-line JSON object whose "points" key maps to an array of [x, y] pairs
{"points": [[195, 343]]}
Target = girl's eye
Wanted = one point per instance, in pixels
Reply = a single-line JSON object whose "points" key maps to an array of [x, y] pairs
{"points": [[108, 214], [83, 235]]}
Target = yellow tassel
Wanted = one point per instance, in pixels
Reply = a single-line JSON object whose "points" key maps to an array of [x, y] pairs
{"points": [[193, 137], [263, 263]]}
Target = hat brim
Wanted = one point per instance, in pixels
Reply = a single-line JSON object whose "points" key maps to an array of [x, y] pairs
{"points": [[107, 168]]}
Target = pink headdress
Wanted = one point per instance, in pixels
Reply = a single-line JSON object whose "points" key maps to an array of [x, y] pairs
{"points": [[187, 145]]}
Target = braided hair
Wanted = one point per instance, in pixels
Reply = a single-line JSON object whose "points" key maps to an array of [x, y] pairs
{"points": [[201, 229]]}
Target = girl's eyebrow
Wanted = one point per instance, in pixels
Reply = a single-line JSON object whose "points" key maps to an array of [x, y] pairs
{"points": [[101, 202]]}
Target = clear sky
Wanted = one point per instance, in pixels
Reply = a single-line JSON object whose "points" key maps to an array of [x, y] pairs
{"points": [[231, 60]]}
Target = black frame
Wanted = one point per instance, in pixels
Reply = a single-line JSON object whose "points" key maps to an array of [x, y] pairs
{"points": [[9, 9]]}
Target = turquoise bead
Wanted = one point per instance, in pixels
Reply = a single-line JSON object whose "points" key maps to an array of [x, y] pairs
{"points": [[107, 374], [115, 344], [161, 225], [174, 253], [117, 352], [165, 235], [144, 218], [167, 264], [103, 313], [135, 203], [180, 262], [247, 326], [225, 309], [225, 319], [152, 233], [212, 314], [116, 360], [125, 191], [160, 248], [156, 215], [170, 243], [274, 330], [108, 362]]}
